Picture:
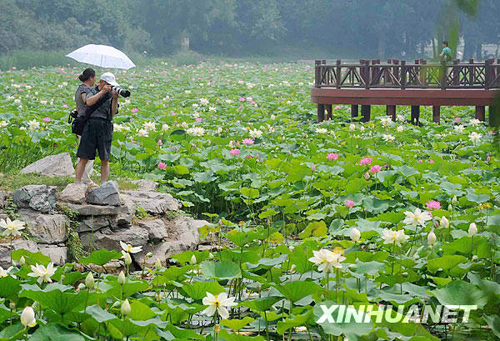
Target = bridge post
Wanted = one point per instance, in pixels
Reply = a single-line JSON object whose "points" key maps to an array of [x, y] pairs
{"points": [[415, 114], [436, 113], [480, 113], [338, 76], [471, 72], [365, 113], [443, 75], [403, 75], [494, 116], [328, 112], [321, 113], [354, 111], [391, 111], [317, 73]]}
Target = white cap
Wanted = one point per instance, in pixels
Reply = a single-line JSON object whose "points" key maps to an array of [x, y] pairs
{"points": [[109, 78]]}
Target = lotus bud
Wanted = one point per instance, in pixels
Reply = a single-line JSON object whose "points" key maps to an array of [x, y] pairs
{"points": [[12, 305], [450, 207], [126, 309], [355, 234], [127, 258], [211, 255], [472, 229], [121, 278], [28, 317], [352, 127], [474, 258], [454, 201], [80, 287], [149, 255], [431, 238], [193, 259], [444, 222], [158, 264], [89, 281], [22, 261]]}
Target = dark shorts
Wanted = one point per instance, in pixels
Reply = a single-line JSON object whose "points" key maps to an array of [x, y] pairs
{"points": [[97, 135]]}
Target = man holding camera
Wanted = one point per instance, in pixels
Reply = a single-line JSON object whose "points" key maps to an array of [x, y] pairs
{"points": [[97, 134]]}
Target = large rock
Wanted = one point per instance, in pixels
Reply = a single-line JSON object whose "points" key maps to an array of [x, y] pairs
{"points": [[124, 218], [17, 244], [107, 194], [37, 197], [182, 235], [153, 202], [74, 193], [46, 228], [57, 254], [156, 228], [146, 185], [52, 165], [94, 223], [110, 240]]}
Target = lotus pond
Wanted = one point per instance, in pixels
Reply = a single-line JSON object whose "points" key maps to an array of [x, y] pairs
{"points": [[301, 215]]}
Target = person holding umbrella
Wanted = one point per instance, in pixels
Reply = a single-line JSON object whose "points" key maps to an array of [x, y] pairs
{"points": [[98, 132]]}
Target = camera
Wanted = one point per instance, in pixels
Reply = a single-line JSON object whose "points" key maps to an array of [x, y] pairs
{"points": [[120, 91]]}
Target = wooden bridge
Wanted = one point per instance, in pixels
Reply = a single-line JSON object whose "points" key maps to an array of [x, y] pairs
{"points": [[399, 83]]}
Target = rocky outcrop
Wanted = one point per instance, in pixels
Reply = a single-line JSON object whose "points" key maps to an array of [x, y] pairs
{"points": [[53, 165], [103, 217], [37, 197]]}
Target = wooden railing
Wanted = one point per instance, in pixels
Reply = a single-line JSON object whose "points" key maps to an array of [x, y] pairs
{"points": [[401, 75]]}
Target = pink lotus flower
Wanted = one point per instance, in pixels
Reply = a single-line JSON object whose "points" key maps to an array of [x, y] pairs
{"points": [[65, 105], [47, 119], [337, 107], [367, 175], [160, 143], [375, 169], [332, 156], [433, 205], [199, 119], [247, 141], [431, 161], [134, 110], [235, 152], [366, 161], [488, 159], [162, 165], [313, 168], [349, 203]]}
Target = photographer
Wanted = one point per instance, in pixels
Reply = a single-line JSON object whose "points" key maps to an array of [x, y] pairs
{"points": [[98, 132], [88, 81]]}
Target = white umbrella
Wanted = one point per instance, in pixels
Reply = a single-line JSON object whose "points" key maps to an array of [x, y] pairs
{"points": [[103, 56]]}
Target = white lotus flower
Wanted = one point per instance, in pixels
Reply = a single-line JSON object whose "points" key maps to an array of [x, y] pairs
{"points": [[472, 229], [219, 130], [444, 222], [126, 308], [4, 273], [255, 133], [43, 273], [11, 228], [184, 125], [327, 260], [475, 137], [352, 127], [218, 303], [117, 127], [431, 238], [28, 317], [400, 118], [321, 130], [388, 138], [3, 124], [143, 133], [475, 122], [149, 126], [459, 128], [355, 234], [386, 121], [395, 237], [417, 218], [400, 129], [33, 124], [165, 127], [203, 101], [196, 131], [213, 109], [129, 248]]}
